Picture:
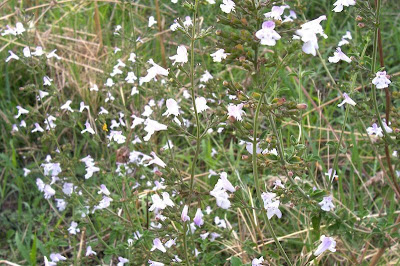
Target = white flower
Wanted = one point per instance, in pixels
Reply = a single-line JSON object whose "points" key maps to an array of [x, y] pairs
{"points": [[47, 81], [278, 183], [132, 57], [375, 130], [175, 26], [68, 188], [104, 190], [381, 81], [151, 126], [206, 77], [267, 34], [12, 56], [37, 128], [122, 261], [276, 12], [61, 204], [345, 38], [156, 161], [103, 111], [211, 2], [219, 55], [329, 174], [73, 228], [158, 245], [155, 263], [327, 243], [172, 108], [326, 204], [257, 262], [130, 78], [188, 21], [94, 87], [41, 95], [339, 55], [53, 54], [109, 82], [181, 55], [21, 111], [89, 251], [88, 128], [66, 106], [273, 209], [167, 200], [38, 51], [292, 16], [308, 34], [56, 257], [104, 203], [18, 30], [136, 121], [117, 136], [347, 100], [184, 215], [339, 4], [227, 6], [153, 72], [152, 21], [236, 111], [201, 104], [48, 192], [27, 52]]}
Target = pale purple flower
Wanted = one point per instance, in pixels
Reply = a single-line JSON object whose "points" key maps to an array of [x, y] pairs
{"points": [[347, 100], [276, 12], [184, 215], [158, 245], [381, 81], [236, 111], [198, 218], [73, 228], [327, 243], [326, 203], [339, 55], [89, 251], [267, 34], [122, 261], [257, 262]]}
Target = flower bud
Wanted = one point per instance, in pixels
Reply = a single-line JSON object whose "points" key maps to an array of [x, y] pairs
{"points": [[359, 18], [245, 157], [301, 106], [361, 25]]}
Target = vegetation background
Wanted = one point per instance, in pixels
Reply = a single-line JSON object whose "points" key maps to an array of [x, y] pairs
{"points": [[82, 33]]}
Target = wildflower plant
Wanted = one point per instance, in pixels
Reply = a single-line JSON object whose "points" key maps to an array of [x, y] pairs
{"points": [[204, 153]]}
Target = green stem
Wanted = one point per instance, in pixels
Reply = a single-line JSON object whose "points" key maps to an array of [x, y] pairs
{"points": [[256, 180], [373, 69], [185, 243], [335, 162], [193, 39]]}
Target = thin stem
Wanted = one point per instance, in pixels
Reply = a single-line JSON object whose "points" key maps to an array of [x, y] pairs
{"points": [[185, 243], [256, 180], [335, 162], [193, 39], [254, 161]]}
